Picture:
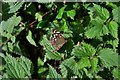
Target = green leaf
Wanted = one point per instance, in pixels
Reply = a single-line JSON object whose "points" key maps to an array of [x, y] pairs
{"points": [[53, 73], [64, 26], [71, 14], [40, 62], [42, 69], [15, 6], [60, 12], [63, 71], [10, 46], [38, 16], [26, 65], [114, 42], [108, 57], [71, 64], [50, 54], [115, 14], [94, 63], [45, 1], [84, 62], [14, 68], [113, 28], [99, 29], [116, 74], [83, 50], [30, 39], [9, 25], [102, 12]]}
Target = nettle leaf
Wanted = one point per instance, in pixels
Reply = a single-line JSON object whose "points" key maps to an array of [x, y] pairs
{"points": [[9, 25], [113, 28], [115, 14], [114, 42], [14, 68], [26, 65], [60, 12], [115, 73], [102, 12], [99, 29], [108, 57], [83, 50], [30, 39], [94, 63], [53, 73], [63, 71], [84, 62], [50, 54], [15, 6], [71, 14], [71, 64]]}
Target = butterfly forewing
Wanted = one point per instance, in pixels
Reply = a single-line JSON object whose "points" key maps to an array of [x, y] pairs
{"points": [[57, 40]]}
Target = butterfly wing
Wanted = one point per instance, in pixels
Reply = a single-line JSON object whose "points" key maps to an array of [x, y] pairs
{"points": [[57, 40]]}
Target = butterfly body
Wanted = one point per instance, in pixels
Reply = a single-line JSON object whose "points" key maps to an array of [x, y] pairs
{"points": [[57, 40]]}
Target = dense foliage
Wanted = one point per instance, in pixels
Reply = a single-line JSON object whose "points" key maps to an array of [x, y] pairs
{"points": [[91, 31]]}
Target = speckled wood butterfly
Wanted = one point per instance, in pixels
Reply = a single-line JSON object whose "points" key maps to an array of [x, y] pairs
{"points": [[57, 40]]}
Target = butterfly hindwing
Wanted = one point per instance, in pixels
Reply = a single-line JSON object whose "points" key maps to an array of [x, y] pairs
{"points": [[57, 40]]}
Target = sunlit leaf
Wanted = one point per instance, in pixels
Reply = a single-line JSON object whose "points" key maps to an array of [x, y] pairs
{"points": [[30, 39], [71, 14], [108, 57], [60, 13]]}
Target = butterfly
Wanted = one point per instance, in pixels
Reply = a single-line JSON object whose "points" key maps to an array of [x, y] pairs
{"points": [[57, 40]]}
